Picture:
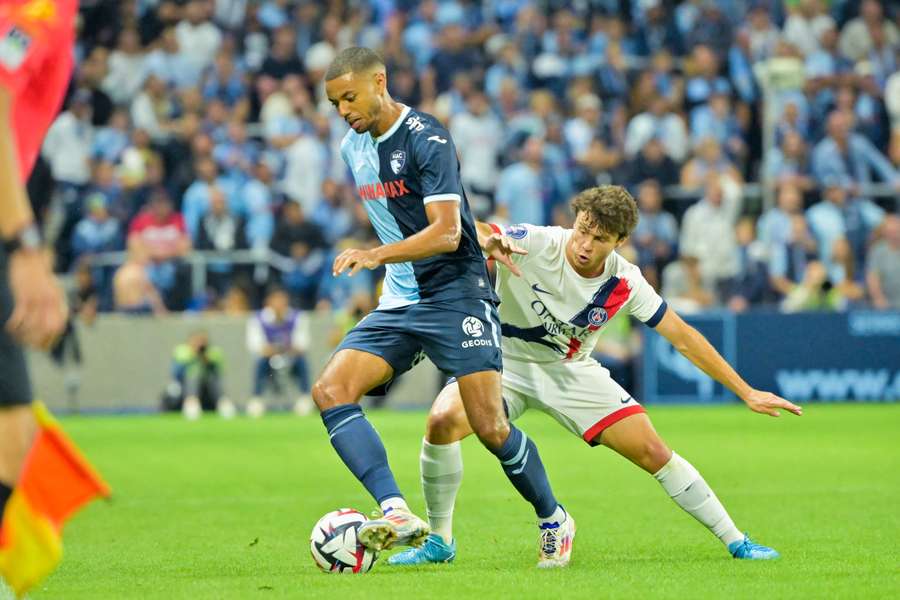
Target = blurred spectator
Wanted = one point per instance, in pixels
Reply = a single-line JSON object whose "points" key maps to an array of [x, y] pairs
{"points": [[806, 22], [837, 216], [126, 68], [196, 199], [788, 165], [703, 76], [651, 163], [707, 232], [133, 291], [763, 34], [751, 284], [883, 275], [789, 258], [478, 134], [111, 141], [774, 225], [684, 287], [826, 69], [170, 64], [332, 214], [278, 337], [96, 232], [814, 292], [658, 123], [282, 59], [68, 143], [716, 120], [306, 165], [153, 110], [843, 273], [159, 233], [522, 193], [220, 230], [225, 82], [856, 36], [259, 204], [198, 35], [196, 374], [708, 160], [301, 241], [656, 233]]}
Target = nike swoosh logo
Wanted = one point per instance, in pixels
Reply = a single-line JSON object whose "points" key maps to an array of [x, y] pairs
{"points": [[626, 400], [539, 290]]}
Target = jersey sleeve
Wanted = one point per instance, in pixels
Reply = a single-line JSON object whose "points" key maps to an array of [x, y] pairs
{"points": [[438, 166], [30, 33], [645, 304], [531, 238]]}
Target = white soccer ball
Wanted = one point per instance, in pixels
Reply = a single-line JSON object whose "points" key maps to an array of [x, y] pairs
{"points": [[334, 545]]}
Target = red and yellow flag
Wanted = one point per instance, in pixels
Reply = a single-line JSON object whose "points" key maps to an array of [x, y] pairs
{"points": [[56, 481]]}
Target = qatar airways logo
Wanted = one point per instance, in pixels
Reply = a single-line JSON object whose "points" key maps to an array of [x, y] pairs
{"points": [[556, 327], [388, 189]]}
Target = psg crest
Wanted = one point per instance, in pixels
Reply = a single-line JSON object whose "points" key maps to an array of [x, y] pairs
{"points": [[598, 316], [398, 159], [516, 232]]}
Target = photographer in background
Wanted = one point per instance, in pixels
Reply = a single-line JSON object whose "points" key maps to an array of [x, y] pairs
{"points": [[278, 336], [196, 384]]}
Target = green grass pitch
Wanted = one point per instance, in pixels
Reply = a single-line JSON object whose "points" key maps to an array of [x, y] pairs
{"points": [[223, 509]]}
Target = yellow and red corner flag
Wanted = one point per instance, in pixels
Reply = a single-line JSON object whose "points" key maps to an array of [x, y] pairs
{"points": [[56, 481]]}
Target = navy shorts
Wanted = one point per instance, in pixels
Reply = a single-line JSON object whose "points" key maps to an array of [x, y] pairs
{"points": [[15, 387], [459, 336]]}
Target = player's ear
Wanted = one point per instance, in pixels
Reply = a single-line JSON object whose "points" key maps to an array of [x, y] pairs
{"points": [[379, 79]]}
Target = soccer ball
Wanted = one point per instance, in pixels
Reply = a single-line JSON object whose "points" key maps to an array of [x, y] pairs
{"points": [[334, 546]]}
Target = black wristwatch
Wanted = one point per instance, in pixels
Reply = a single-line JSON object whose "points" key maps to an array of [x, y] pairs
{"points": [[28, 238]]}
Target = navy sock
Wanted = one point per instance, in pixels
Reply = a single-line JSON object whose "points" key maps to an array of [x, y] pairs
{"points": [[5, 493], [522, 464], [358, 445]]}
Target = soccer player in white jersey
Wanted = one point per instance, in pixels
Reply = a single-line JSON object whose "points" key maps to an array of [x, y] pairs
{"points": [[557, 290]]}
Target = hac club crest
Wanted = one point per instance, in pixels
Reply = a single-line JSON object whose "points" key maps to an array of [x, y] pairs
{"points": [[398, 159]]}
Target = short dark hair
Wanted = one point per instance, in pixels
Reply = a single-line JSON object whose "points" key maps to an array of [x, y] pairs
{"points": [[608, 207], [353, 60]]}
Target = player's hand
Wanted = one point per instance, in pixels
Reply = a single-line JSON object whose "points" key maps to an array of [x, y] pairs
{"points": [[40, 312], [501, 248], [355, 260], [768, 403]]}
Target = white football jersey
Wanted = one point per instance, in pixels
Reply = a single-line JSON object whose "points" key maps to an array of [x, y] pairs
{"points": [[551, 313]]}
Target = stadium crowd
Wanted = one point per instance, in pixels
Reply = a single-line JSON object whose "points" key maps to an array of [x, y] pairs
{"points": [[203, 125]]}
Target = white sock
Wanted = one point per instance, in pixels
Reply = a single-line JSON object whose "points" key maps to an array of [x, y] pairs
{"points": [[394, 503], [442, 471], [558, 516], [689, 491]]}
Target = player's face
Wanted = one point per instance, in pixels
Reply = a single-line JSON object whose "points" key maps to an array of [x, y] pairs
{"points": [[589, 247], [357, 98]]}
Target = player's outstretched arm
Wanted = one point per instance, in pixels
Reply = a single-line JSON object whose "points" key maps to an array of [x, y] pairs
{"points": [[499, 247], [691, 343], [442, 235]]}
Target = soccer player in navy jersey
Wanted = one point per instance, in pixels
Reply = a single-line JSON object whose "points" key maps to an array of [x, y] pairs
{"points": [[437, 302]]}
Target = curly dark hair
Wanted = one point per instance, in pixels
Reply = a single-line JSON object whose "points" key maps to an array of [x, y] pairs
{"points": [[608, 207]]}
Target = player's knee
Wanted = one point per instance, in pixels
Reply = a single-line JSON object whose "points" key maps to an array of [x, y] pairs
{"points": [[445, 426], [654, 454], [328, 394], [492, 433]]}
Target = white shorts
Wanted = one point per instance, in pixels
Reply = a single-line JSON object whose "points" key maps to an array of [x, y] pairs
{"points": [[581, 395]]}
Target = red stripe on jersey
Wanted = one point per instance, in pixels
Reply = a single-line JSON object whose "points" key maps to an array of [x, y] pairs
{"points": [[617, 298], [574, 346], [495, 228], [609, 420]]}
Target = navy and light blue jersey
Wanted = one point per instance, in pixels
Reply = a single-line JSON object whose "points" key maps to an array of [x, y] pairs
{"points": [[397, 174]]}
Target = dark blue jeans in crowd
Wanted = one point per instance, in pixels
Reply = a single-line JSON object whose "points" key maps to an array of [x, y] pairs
{"points": [[265, 374]]}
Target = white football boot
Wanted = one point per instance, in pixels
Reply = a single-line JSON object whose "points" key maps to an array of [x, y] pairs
{"points": [[556, 543], [396, 527]]}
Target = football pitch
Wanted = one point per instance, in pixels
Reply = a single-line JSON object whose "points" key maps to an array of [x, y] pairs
{"points": [[223, 509]]}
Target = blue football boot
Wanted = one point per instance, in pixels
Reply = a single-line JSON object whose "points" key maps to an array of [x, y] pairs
{"points": [[434, 550], [750, 550]]}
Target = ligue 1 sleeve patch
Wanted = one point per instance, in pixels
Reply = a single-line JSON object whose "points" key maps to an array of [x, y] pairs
{"points": [[516, 232], [14, 44]]}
